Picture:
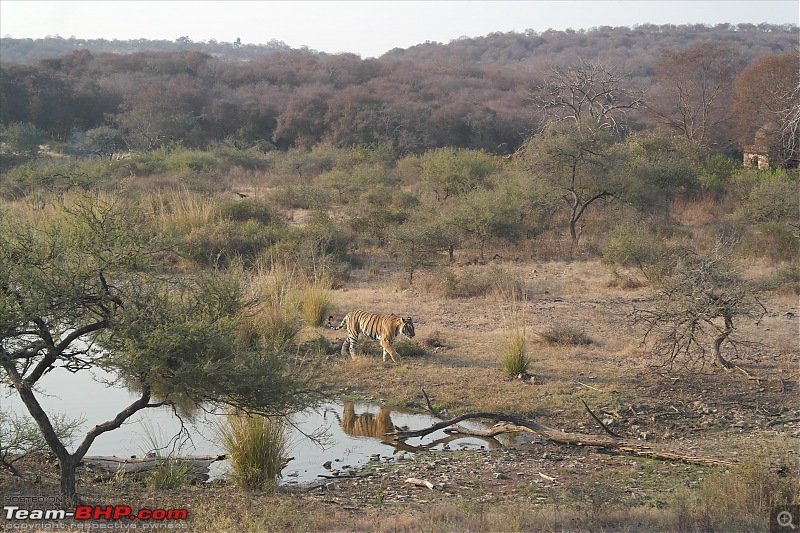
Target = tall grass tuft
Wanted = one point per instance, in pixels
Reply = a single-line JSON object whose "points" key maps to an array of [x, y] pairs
{"points": [[257, 447], [741, 498], [171, 472], [315, 302], [276, 323], [514, 355], [183, 209]]}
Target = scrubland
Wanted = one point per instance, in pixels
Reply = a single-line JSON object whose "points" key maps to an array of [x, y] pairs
{"points": [[324, 245]]}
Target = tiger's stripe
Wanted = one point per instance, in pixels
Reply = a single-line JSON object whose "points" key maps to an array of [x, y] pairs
{"points": [[383, 328]]}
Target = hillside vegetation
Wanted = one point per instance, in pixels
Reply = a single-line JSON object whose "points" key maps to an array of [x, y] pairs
{"points": [[488, 93]]}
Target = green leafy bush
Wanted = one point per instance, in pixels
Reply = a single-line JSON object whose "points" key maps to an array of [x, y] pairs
{"points": [[58, 175], [773, 198], [717, 172], [251, 159], [776, 242], [631, 245], [302, 197], [22, 137]]}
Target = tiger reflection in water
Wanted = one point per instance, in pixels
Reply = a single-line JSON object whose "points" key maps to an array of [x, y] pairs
{"points": [[366, 424]]}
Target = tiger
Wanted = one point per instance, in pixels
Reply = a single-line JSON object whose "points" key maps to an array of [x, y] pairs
{"points": [[365, 424], [383, 328]]}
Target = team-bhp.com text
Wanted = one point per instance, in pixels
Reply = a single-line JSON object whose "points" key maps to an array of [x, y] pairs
{"points": [[94, 512]]}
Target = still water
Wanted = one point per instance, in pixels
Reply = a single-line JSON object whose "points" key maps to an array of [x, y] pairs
{"points": [[353, 431]]}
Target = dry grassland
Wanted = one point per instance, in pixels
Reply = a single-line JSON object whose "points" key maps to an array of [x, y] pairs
{"points": [[458, 341]]}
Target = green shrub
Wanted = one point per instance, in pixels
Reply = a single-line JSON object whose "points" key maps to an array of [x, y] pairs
{"points": [[221, 242], [366, 177], [251, 159], [452, 171], [717, 172], [772, 198], [22, 137], [193, 161], [319, 249], [776, 242], [766, 189], [301, 165], [631, 246], [147, 163], [58, 175], [302, 197], [22, 437]]}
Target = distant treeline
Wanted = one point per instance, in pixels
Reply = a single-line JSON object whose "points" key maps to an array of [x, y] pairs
{"points": [[488, 93], [498, 47]]}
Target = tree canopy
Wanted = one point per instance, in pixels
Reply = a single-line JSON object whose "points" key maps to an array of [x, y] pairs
{"points": [[85, 288]]}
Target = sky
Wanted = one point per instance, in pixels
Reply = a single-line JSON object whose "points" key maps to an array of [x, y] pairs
{"points": [[366, 28]]}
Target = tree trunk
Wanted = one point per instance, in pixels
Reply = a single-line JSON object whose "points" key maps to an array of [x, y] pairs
{"points": [[573, 233], [68, 465], [574, 215], [724, 363]]}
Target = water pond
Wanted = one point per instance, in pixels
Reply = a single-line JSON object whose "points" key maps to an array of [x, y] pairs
{"points": [[353, 431]]}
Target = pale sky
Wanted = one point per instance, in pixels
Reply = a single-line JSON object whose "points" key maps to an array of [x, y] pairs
{"points": [[367, 28]]}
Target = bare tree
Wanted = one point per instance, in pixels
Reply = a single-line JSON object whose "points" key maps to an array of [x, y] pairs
{"points": [[693, 91], [789, 151], [590, 92], [691, 316]]}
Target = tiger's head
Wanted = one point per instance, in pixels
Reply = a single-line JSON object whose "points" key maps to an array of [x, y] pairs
{"points": [[408, 327]]}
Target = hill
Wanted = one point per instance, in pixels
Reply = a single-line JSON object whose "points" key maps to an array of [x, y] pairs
{"points": [[525, 50]]}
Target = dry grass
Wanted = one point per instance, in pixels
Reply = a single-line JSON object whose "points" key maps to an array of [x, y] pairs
{"points": [[565, 336], [184, 210], [315, 302]]}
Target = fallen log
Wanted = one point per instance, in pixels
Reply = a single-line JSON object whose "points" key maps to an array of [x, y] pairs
{"points": [[420, 482], [514, 423], [196, 465]]}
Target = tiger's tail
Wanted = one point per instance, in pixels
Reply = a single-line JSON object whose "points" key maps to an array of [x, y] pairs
{"points": [[340, 326]]}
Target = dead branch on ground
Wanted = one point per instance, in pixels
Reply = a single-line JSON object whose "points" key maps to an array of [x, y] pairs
{"points": [[514, 423]]}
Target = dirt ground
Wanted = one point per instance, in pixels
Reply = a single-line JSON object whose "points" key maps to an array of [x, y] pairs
{"points": [[705, 409]]}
